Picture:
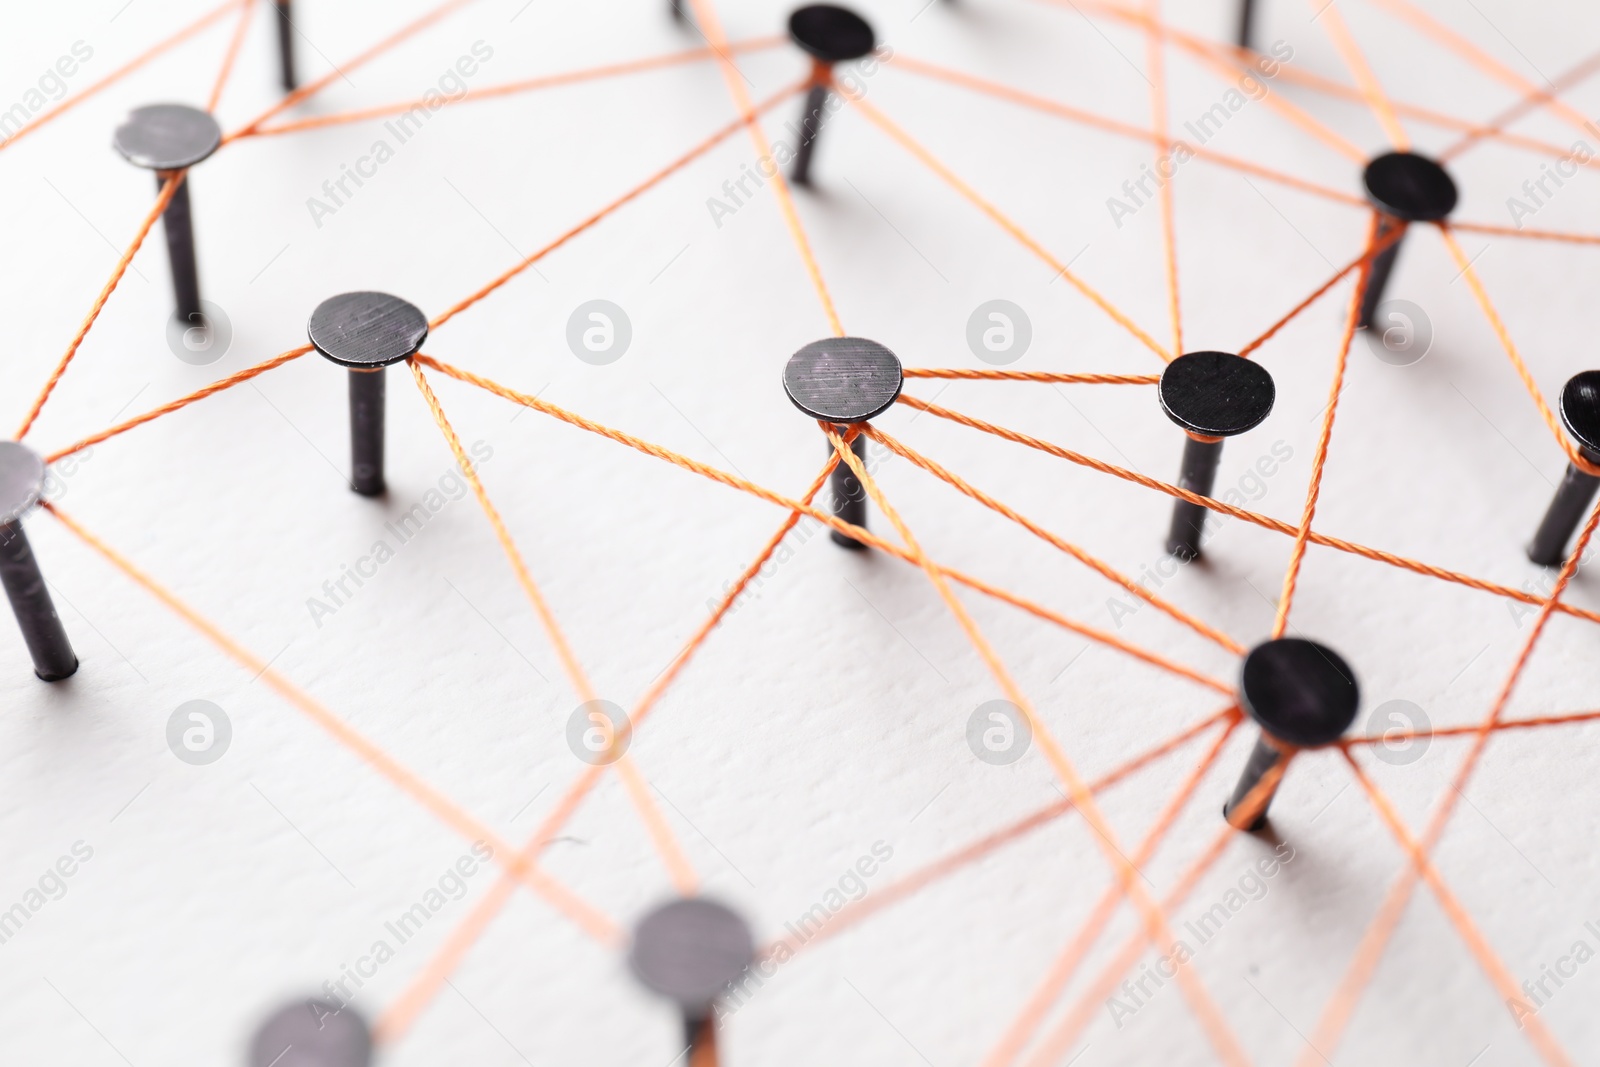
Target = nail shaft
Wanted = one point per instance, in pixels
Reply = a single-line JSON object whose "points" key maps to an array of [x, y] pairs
{"points": [[1382, 267], [1198, 475], [367, 393], [811, 127], [53, 658], [1263, 758], [1247, 24], [286, 45], [178, 222], [849, 495], [1571, 503]]}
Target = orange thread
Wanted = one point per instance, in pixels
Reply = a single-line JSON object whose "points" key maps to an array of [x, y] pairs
{"points": [[1534, 235], [855, 911], [666, 842], [1530, 101], [1095, 564], [1154, 917], [827, 518], [1320, 458], [123, 71], [1032, 1016], [949, 177], [167, 192], [529, 85], [1362, 261], [655, 179], [1334, 25], [587, 918], [1032, 376], [314, 87], [182, 402], [1039, 103], [1341, 1006], [1538, 1034], [1156, 60], [706, 15], [246, 9], [1264, 521], [1066, 1032], [399, 1017]]}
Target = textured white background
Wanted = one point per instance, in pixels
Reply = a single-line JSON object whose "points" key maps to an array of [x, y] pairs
{"points": [[830, 711]]}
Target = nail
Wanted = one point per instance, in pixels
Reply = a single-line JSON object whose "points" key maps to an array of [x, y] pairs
{"points": [[1404, 188], [829, 35], [21, 485], [692, 951], [1580, 413]]}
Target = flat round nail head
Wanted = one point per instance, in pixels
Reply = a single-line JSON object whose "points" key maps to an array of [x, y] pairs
{"points": [[1300, 692], [689, 951], [1410, 187], [843, 379], [312, 1033], [366, 331], [21, 480], [830, 33], [1580, 409], [167, 136], [1216, 394]]}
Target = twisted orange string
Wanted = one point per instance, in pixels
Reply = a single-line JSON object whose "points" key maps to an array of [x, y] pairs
{"points": [[168, 190], [1319, 459], [1531, 234], [1066, 1032], [1374, 248], [1028, 1021], [1341, 1006], [1494, 967], [548, 81], [626, 198], [1077, 553], [1344, 42], [666, 842], [246, 9], [582, 914], [1481, 295], [447, 958], [855, 911], [1028, 241], [1154, 917], [123, 71], [1155, 60], [1031, 376], [1531, 100], [1051, 107], [1485, 62], [1264, 521], [711, 26], [182, 402], [857, 532]]}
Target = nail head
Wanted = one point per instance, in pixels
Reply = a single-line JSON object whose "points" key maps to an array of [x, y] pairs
{"points": [[367, 330], [1216, 394], [167, 136]]}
